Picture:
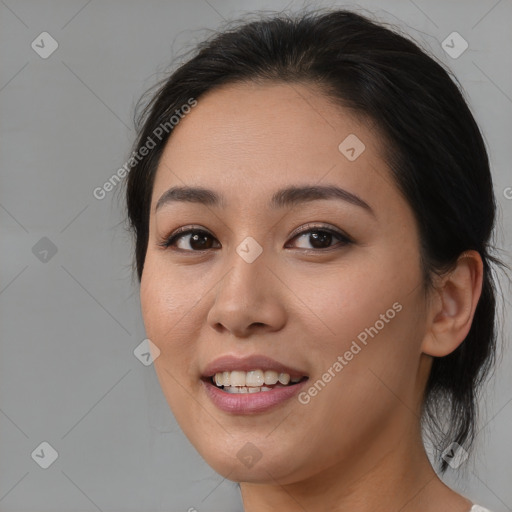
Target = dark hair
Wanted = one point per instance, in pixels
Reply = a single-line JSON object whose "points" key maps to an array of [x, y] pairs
{"points": [[435, 153]]}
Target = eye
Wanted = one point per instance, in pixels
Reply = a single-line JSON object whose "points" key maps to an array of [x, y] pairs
{"points": [[195, 240], [321, 238]]}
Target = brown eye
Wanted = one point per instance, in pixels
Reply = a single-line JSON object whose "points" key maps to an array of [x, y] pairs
{"points": [[322, 238], [190, 240], [196, 240]]}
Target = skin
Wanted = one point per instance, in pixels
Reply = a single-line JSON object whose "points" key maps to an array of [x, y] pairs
{"points": [[356, 445]]}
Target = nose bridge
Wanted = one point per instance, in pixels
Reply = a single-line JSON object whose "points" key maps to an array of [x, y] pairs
{"points": [[247, 272], [245, 295]]}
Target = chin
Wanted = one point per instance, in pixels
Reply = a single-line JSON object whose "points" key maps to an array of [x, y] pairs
{"points": [[249, 463]]}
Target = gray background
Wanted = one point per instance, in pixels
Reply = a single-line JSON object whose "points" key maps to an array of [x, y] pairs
{"points": [[70, 321]]}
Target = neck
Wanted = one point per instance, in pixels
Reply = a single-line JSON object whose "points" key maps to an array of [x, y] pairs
{"points": [[400, 478]]}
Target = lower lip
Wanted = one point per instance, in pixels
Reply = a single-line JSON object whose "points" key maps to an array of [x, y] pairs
{"points": [[248, 403]]}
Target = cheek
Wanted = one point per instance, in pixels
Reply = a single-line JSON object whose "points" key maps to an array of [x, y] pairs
{"points": [[367, 313], [165, 294], [348, 300], [167, 304]]}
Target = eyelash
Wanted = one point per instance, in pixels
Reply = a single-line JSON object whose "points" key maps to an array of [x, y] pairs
{"points": [[169, 242]]}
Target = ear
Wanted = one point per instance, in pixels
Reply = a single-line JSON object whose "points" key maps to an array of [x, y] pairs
{"points": [[453, 305]]}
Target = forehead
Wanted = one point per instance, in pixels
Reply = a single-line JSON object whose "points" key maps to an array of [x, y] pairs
{"points": [[249, 139]]}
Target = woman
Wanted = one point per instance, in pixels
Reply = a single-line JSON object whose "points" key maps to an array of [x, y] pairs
{"points": [[312, 207]]}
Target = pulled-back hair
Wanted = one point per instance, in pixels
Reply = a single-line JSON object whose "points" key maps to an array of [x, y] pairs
{"points": [[434, 150]]}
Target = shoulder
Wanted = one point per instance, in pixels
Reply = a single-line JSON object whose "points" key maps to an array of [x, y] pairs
{"points": [[478, 508]]}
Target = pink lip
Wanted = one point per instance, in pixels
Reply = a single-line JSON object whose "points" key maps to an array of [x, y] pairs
{"points": [[230, 363], [247, 403]]}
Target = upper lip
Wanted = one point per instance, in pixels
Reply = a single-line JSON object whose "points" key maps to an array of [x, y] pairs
{"points": [[228, 363]]}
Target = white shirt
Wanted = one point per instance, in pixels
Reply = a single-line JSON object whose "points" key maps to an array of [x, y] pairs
{"points": [[478, 508]]}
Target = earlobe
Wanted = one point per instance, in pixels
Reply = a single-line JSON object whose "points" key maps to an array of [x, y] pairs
{"points": [[451, 314]]}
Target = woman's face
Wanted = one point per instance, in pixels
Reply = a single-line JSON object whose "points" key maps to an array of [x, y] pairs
{"points": [[318, 282]]}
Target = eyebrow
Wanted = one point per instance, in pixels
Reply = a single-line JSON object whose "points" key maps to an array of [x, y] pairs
{"points": [[289, 196]]}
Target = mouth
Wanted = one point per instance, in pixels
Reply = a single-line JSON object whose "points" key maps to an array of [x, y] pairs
{"points": [[250, 384], [238, 392], [254, 381]]}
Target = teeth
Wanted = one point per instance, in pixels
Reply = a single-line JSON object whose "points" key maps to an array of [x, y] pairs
{"points": [[244, 389], [284, 378], [271, 377], [253, 379], [236, 378]]}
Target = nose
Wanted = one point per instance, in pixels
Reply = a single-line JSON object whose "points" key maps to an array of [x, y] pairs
{"points": [[248, 299]]}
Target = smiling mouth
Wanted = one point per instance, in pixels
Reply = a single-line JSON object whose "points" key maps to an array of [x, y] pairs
{"points": [[255, 381]]}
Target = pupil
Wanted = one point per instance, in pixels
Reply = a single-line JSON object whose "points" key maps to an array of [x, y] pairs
{"points": [[322, 238], [201, 241]]}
